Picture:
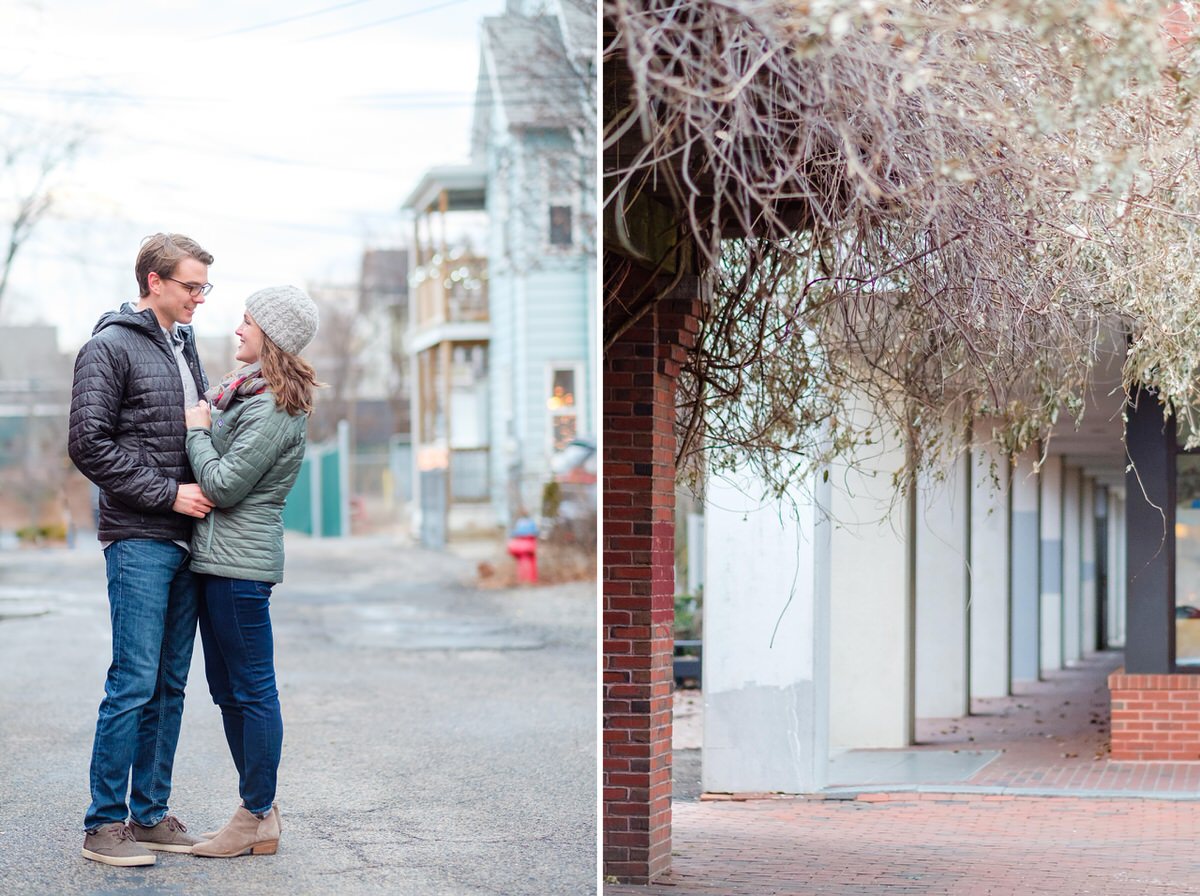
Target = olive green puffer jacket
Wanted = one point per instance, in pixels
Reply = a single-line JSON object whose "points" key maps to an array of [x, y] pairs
{"points": [[246, 465]]}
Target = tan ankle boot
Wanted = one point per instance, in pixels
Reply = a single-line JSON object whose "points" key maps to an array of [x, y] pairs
{"points": [[245, 833], [209, 835]]}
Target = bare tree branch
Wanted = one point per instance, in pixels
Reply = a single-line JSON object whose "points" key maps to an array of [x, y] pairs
{"points": [[28, 165]]}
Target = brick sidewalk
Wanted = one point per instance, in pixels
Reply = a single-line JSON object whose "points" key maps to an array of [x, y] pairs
{"points": [[910, 843], [1054, 737], [1051, 814]]}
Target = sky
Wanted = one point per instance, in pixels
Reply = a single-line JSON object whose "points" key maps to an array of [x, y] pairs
{"points": [[282, 136]]}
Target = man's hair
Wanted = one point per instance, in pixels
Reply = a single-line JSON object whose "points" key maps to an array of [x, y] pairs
{"points": [[160, 253]]}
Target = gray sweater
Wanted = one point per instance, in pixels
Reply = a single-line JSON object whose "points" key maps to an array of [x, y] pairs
{"points": [[246, 465]]}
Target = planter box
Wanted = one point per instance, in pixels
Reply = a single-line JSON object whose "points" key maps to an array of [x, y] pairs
{"points": [[688, 662]]}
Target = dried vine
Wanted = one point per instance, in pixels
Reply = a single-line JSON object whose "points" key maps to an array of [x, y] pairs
{"points": [[938, 208]]}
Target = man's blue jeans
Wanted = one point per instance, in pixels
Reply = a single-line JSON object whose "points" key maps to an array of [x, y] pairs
{"points": [[239, 661], [152, 599]]}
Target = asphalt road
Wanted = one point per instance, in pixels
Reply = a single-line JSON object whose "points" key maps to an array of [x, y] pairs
{"points": [[439, 739]]}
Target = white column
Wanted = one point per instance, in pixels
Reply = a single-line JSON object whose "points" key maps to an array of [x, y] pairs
{"points": [[941, 536], [871, 673], [1087, 567], [766, 640], [1025, 582], [695, 556], [1071, 549], [1051, 564], [989, 574], [1116, 566]]}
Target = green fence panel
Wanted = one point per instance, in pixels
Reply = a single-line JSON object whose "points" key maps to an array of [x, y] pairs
{"points": [[317, 495], [331, 493], [297, 511]]}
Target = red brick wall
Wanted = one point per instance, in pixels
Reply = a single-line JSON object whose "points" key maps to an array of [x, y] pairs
{"points": [[640, 372], [1155, 716]]}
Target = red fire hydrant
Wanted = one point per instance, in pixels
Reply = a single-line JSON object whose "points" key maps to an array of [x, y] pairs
{"points": [[522, 545]]}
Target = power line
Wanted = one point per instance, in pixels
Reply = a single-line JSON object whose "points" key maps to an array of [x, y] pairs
{"points": [[77, 94], [417, 99], [407, 15], [272, 24], [381, 102], [106, 92], [350, 230], [226, 151]]}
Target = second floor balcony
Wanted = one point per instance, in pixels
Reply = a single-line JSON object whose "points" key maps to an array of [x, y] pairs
{"points": [[450, 289], [448, 283]]}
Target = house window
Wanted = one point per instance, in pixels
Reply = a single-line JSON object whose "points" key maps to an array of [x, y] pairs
{"points": [[1187, 560], [560, 225], [468, 396], [562, 407]]}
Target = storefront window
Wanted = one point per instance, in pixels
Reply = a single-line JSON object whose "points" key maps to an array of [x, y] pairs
{"points": [[1187, 560]]}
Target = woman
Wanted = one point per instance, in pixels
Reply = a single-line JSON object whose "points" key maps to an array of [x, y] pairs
{"points": [[246, 451]]}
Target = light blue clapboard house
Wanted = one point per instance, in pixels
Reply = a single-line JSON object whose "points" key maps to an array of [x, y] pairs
{"points": [[502, 336]]}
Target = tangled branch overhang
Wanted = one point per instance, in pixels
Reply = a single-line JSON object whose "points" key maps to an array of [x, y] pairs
{"points": [[938, 208]]}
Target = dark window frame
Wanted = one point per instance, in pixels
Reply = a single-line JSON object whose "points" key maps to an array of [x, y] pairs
{"points": [[562, 232]]}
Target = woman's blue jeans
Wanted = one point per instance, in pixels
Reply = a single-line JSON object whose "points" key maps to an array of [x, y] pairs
{"points": [[239, 660], [152, 605]]}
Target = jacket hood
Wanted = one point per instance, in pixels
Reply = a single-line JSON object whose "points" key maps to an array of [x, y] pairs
{"points": [[129, 316]]}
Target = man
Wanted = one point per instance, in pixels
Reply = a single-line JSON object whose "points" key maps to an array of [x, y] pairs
{"points": [[133, 379]]}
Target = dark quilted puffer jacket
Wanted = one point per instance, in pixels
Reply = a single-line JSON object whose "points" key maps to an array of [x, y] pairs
{"points": [[127, 432]]}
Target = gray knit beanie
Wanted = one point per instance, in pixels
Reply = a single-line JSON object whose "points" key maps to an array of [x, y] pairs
{"points": [[286, 314]]}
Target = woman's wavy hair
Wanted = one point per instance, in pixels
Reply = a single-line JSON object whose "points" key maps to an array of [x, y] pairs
{"points": [[291, 379]]}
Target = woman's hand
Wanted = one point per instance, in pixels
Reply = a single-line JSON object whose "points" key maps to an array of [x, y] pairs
{"points": [[198, 416]]}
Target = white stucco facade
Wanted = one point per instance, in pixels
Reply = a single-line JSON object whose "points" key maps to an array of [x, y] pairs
{"points": [[988, 575], [940, 529], [871, 615], [1072, 535], [1050, 530], [766, 678], [836, 618]]}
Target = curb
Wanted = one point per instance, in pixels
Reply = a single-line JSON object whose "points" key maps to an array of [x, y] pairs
{"points": [[948, 793]]}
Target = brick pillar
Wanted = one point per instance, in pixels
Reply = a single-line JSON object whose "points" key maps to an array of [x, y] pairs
{"points": [[640, 372]]}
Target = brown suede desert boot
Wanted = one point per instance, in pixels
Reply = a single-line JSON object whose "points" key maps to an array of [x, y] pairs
{"points": [[169, 835], [113, 844]]}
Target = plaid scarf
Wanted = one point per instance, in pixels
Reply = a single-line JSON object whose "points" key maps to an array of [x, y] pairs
{"points": [[241, 383]]}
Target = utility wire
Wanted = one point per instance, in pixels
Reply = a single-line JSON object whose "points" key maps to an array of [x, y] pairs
{"points": [[411, 99], [272, 24], [328, 9], [407, 15], [103, 91], [555, 106]]}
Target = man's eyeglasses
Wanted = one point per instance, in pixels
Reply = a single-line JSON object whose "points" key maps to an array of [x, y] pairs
{"points": [[194, 289]]}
